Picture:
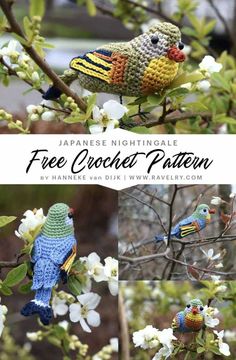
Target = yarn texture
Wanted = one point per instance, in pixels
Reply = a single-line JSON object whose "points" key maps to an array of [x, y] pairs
{"points": [[192, 224], [142, 66], [191, 319], [53, 253]]}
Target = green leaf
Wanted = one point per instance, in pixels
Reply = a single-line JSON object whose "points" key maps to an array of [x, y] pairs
{"points": [[223, 119], [185, 78], [4, 220], [25, 288], [15, 276], [74, 285], [37, 8], [20, 39], [200, 350], [91, 8], [178, 92], [27, 28], [5, 290], [155, 99]]}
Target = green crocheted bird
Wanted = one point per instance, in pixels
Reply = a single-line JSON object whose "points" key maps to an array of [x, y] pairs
{"points": [[142, 66], [191, 319]]}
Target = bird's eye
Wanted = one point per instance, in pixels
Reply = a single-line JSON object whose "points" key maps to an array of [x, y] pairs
{"points": [[181, 46], [188, 306], [201, 308], [154, 39], [70, 215], [204, 210]]}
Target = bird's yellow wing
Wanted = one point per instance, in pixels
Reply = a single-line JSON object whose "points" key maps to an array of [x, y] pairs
{"points": [[101, 64], [192, 228], [69, 261]]}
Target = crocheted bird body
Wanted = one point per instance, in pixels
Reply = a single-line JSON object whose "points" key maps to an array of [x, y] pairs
{"points": [[192, 224], [191, 319], [145, 65], [47, 263], [53, 253]]}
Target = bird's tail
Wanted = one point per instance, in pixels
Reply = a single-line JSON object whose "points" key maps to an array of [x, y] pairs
{"points": [[159, 238], [40, 305], [52, 93]]}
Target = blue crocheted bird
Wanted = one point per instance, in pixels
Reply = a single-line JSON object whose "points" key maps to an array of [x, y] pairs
{"points": [[192, 224], [52, 256], [191, 319]]}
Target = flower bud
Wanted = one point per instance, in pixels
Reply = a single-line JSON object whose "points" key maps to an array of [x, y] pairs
{"points": [[34, 117], [48, 116], [35, 76], [21, 75]]}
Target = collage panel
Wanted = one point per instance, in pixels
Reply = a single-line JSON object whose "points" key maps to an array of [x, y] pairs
{"points": [[177, 232], [88, 66], [177, 320], [58, 272]]}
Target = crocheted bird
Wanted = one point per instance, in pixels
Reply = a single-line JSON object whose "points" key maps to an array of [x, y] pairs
{"points": [[191, 319], [52, 256], [142, 66], [190, 225]]}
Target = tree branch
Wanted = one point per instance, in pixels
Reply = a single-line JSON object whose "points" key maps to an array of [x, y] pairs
{"points": [[43, 65]]}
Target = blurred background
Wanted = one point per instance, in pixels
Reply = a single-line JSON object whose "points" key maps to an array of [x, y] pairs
{"points": [[95, 224], [72, 31], [138, 212], [157, 302]]}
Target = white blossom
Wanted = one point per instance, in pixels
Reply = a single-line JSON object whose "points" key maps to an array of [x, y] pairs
{"points": [[210, 255], [216, 200], [59, 306], [209, 320], [223, 347], [48, 115], [165, 337], [107, 117], [33, 219], [146, 338], [114, 342], [84, 310], [11, 49], [209, 65], [203, 85], [232, 195], [3, 312], [94, 267], [111, 272], [219, 266]]}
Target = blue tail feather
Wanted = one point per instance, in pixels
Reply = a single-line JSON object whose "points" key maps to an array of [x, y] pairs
{"points": [[44, 312], [52, 93], [159, 238]]}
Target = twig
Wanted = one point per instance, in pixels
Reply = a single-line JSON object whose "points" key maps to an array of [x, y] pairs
{"points": [[143, 258], [124, 330], [223, 20], [148, 205], [55, 109], [43, 65], [12, 72], [200, 269]]}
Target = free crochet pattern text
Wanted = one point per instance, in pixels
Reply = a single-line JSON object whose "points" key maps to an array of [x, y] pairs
{"points": [[83, 160]]}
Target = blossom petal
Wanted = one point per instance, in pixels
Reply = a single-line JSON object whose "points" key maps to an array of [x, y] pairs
{"points": [[93, 318], [85, 326], [114, 110]]}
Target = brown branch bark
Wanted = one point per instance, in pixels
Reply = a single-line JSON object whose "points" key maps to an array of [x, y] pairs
{"points": [[43, 65], [124, 330]]}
